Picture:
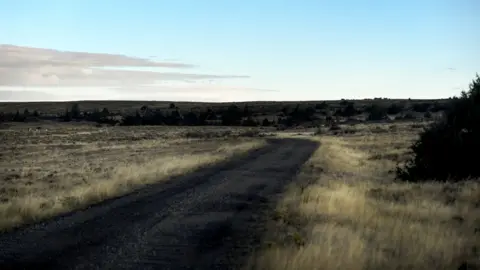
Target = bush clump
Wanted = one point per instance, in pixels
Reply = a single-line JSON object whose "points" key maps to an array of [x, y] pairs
{"points": [[448, 148]]}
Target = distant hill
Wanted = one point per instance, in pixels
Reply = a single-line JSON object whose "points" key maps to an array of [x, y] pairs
{"points": [[131, 106], [255, 113]]}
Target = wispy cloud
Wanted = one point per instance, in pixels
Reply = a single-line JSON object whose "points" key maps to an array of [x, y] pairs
{"points": [[16, 56], [36, 67], [187, 92], [189, 87], [10, 95]]}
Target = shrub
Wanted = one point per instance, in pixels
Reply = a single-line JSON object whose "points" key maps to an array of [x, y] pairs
{"points": [[376, 112], [321, 106], [395, 108], [447, 149], [249, 122], [421, 107], [350, 110], [18, 117], [409, 116], [428, 115], [75, 111], [265, 122]]}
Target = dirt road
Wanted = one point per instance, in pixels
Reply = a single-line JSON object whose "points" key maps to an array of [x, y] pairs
{"points": [[210, 219]]}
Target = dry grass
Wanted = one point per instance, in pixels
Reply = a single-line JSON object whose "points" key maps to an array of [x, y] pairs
{"points": [[59, 168], [346, 212]]}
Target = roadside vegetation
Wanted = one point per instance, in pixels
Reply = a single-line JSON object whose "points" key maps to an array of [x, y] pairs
{"points": [[346, 211], [392, 196]]}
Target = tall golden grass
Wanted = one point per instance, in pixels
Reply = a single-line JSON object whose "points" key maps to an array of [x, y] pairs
{"points": [[345, 211], [46, 175]]}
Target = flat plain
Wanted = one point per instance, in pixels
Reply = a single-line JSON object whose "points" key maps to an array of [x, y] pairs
{"points": [[77, 196], [55, 168]]}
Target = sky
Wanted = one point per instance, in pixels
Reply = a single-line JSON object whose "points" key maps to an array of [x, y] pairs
{"points": [[232, 50]]}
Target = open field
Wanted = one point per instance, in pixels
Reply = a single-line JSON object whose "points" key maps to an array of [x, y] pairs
{"points": [[235, 199], [210, 218], [56, 168], [344, 211]]}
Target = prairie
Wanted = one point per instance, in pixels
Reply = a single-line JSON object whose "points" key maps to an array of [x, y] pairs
{"points": [[51, 169]]}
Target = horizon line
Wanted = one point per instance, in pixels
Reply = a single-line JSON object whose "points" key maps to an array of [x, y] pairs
{"points": [[219, 102]]}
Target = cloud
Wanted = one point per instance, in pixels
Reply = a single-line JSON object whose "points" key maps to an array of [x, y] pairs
{"points": [[8, 95], [36, 67], [16, 56], [214, 94], [187, 91], [188, 87]]}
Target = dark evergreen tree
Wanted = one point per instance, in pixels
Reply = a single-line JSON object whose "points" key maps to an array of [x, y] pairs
{"points": [[232, 116], [447, 149]]}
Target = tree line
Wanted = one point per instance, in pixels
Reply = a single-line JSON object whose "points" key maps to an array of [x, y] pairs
{"points": [[234, 115]]}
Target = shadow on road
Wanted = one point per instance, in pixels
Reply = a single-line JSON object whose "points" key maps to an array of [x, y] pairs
{"points": [[209, 219]]}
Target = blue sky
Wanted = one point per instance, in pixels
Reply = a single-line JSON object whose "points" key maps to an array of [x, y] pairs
{"points": [[298, 50]]}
